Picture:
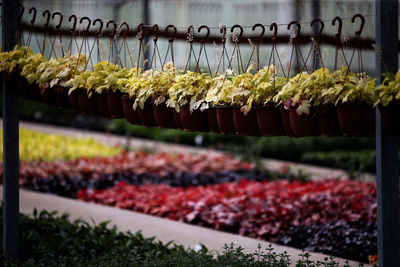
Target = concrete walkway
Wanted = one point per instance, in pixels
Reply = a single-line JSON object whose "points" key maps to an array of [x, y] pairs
{"points": [[163, 229], [315, 172]]}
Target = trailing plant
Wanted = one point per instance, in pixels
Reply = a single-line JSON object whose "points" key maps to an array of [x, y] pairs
{"points": [[389, 90]]}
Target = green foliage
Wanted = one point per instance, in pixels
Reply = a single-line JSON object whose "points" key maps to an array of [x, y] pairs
{"points": [[389, 90]]}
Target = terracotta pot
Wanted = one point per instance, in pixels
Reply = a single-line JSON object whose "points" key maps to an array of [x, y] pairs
{"points": [[62, 97], [356, 120], [130, 114], [34, 91], [328, 122], [245, 124], [196, 121], [23, 87], [269, 121], [212, 120], [74, 100], [49, 97], [304, 124], [87, 105], [146, 115], [286, 122], [225, 120], [102, 104], [390, 118], [115, 105], [177, 119], [163, 116]]}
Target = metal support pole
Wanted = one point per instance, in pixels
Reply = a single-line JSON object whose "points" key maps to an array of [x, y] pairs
{"points": [[387, 148], [316, 13], [146, 21], [10, 139]]}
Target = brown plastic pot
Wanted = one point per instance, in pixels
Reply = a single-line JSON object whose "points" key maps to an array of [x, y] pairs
{"points": [[269, 121], [212, 120], [356, 120], [225, 120], [177, 119], [245, 124], [146, 115], [303, 125], [62, 97], [74, 100], [286, 122], [390, 118], [193, 121], [102, 104], [87, 105], [163, 116], [115, 105], [34, 91], [130, 114], [328, 122], [49, 97]]}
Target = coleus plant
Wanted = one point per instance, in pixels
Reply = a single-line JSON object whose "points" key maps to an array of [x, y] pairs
{"points": [[15, 59], [389, 90]]}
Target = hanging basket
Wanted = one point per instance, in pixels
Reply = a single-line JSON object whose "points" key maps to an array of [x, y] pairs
{"points": [[328, 122], [245, 124], [102, 104], [34, 91], [49, 97], [212, 119], [356, 120], [62, 97], [23, 87], [193, 121], [146, 115], [74, 100], [163, 116], [286, 121], [177, 119], [115, 105], [304, 124], [269, 121], [390, 118], [130, 114], [87, 105], [225, 120]]}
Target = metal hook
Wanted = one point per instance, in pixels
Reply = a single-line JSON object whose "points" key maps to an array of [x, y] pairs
{"points": [[241, 31], [88, 25], [207, 34], [33, 9], [321, 23], [100, 30], [114, 27], [61, 19], [298, 27], [353, 19], [339, 20], [124, 23], [173, 33], [223, 31], [21, 13], [259, 25], [274, 27], [46, 12], [155, 29], [73, 28], [140, 29]]}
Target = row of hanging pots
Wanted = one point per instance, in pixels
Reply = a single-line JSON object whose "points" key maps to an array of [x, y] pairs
{"points": [[269, 120]]}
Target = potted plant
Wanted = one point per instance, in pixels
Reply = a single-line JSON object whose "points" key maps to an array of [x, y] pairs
{"points": [[130, 90], [76, 84], [29, 71], [389, 103], [187, 97]]}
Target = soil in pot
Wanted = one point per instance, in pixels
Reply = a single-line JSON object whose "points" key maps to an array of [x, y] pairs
{"points": [[303, 125], [49, 97], [286, 122], [177, 119], [225, 120], [390, 118], [146, 115], [115, 105], [62, 97], [193, 121], [328, 122], [102, 104], [269, 121], [212, 120], [245, 124], [130, 114], [163, 116], [74, 101], [87, 105], [356, 120]]}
